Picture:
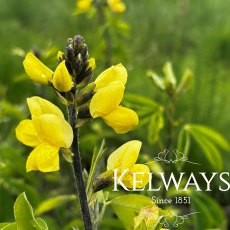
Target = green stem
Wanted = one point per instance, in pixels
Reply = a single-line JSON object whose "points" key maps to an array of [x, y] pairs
{"points": [[77, 170]]}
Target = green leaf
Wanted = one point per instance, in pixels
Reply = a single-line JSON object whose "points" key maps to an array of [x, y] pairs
{"points": [[53, 203], [139, 101], [127, 207], [155, 126], [185, 82], [170, 79], [97, 155], [212, 135], [183, 146], [157, 80], [24, 216], [12, 226], [211, 214], [207, 144], [42, 223]]}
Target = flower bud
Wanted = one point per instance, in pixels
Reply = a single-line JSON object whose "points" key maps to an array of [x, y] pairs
{"points": [[84, 77], [70, 53], [83, 111], [102, 181], [78, 42], [85, 94], [82, 121]]}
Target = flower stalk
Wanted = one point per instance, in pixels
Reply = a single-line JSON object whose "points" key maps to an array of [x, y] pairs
{"points": [[77, 170]]}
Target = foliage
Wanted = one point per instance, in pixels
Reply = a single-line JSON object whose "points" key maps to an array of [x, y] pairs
{"points": [[180, 33]]}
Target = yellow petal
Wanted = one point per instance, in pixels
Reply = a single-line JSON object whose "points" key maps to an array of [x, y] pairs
{"points": [[83, 5], [36, 70], [44, 158], [60, 56], [121, 119], [142, 176], [62, 80], [92, 63], [114, 73], [125, 156], [39, 106], [54, 130], [106, 99], [116, 6], [26, 133]]}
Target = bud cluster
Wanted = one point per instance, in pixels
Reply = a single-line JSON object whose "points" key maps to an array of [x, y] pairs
{"points": [[77, 61]]}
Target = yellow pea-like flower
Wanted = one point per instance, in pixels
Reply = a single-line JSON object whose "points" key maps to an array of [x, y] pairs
{"points": [[114, 73], [62, 80], [38, 72], [105, 103], [47, 132], [117, 6], [124, 158], [83, 5]]}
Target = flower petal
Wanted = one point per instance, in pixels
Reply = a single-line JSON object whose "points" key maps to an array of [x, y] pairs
{"points": [[26, 133], [54, 130], [116, 6], [36, 70], [92, 63], [121, 119], [44, 157], [142, 176], [125, 156], [62, 80], [114, 73], [39, 106], [106, 99]]}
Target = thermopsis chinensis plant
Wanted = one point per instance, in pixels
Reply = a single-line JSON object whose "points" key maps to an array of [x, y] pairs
{"points": [[49, 133]]}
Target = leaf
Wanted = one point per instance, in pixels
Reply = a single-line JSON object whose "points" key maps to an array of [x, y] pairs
{"points": [[208, 146], [170, 79], [12, 226], [211, 214], [127, 207], [185, 82], [156, 124], [158, 81], [183, 146], [97, 155], [139, 101], [53, 203], [212, 134], [24, 216]]}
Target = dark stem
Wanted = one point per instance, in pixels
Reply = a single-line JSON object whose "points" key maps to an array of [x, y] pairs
{"points": [[77, 169]]}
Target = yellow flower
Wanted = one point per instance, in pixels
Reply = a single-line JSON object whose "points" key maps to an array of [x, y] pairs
{"points": [[47, 132], [83, 5], [105, 103], [124, 158], [40, 73], [116, 6]]}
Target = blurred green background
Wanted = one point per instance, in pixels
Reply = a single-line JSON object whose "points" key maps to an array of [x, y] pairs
{"points": [[189, 33]]}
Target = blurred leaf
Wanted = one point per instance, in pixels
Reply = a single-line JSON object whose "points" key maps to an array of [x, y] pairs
{"points": [[155, 126], [169, 78], [185, 82], [213, 135], [211, 214], [207, 141], [157, 80], [12, 226], [24, 216], [148, 218], [138, 101], [127, 207], [53, 203], [184, 141]]}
